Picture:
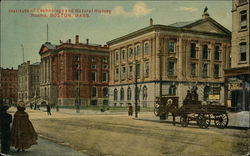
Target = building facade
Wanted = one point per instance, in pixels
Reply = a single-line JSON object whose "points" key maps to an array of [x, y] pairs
{"points": [[169, 60], [28, 81], [8, 86], [237, 88], [75, 72]]}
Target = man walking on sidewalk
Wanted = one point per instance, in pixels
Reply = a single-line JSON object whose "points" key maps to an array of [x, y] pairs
{"points": [[48, 109]]}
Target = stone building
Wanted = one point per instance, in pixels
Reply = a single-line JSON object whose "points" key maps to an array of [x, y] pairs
{"points": [[8, 86], [169, 60], [73, 71], [237, 88], [28, 81]]}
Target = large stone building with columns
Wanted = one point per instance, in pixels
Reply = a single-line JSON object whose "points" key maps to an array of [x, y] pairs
{"points": [[169, 60], [73, 72], [238, 74]]}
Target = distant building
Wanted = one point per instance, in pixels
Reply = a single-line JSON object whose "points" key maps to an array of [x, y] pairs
{"points": [[28, 81], [169, 60], [238, 74], [8, 86], [73, 71]]}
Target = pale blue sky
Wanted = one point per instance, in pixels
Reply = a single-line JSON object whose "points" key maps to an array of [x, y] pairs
{"points": [[126, 17]]}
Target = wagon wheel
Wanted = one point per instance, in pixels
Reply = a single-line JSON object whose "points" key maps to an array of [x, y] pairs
{"points": [[203, 120], [221, 120], [184, 120]]}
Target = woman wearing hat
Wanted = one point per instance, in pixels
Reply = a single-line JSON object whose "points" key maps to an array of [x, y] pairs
{"points": [[23, 134]]}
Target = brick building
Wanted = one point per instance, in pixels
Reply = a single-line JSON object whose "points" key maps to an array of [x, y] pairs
{"points": [[28, 81], [237, 88], [8, 86], [72, 71], [169, 60]]}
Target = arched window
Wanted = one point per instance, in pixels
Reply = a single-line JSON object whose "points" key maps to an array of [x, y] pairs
{"points": [[172, 90], [146, 48], [105, 92], [137, 93], [115, 94], [122, 94], [206, 92], [129, 93], [145, 94], [94, 92]]}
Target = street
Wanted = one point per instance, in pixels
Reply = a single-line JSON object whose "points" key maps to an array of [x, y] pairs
{"points": [[119, 134]]}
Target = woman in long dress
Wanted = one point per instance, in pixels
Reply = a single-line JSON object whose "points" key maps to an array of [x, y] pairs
{"points": [[23, 134]]}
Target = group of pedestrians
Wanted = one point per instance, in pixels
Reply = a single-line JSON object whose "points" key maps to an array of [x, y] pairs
{"points": [[21, 135]]}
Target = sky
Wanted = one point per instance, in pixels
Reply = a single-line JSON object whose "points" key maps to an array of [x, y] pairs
{"points": [[106, 21]]}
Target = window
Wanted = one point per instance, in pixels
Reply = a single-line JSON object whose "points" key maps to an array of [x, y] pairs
{"points": [[242, 1], [122, 94], [76, 58], [130, 52], [129, 93], [138, 49], [105, 92], [123, 54], [193, 69], [138, 71], [193, 50], [172, 90], [115, 94], [146, 48], [116, 74], [76, 75], [171, 68], [93, 76], [123, 72], [205, 70], [171, 45], [93, 59], [130, 71], [144, 92], [105, 77], [105, 60], [146, 70], [206, 92], [93, 66], [116, 56], [216, 70], [94, 91], [243, 53], [243, 19], [77, 92], [105, 66], [205, 52], [216, 53]]}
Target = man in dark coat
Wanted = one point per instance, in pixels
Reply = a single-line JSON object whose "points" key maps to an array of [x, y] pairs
{"points": [[5, 120], [48, 109]]}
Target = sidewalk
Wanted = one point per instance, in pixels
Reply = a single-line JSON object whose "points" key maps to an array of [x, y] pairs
{"points": [[47, 148]]}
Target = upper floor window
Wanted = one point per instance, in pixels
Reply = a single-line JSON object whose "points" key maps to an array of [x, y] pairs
{"points": [[76, 75], [205, 52], [105, 60], [193, 69], [138, 66], [146, 69], [243, 19], [171, 45], [93, 66], [193, 50], [146, 48], [93, 59], [116, 56], [123, 72], [123, 54], [243, 51], [129, 93], [138, 50], [76, 58], [105, 77], [130, 71], [216, 70], [217, 53], [93, 76], [130, 52], [205, 70], [105, 66], [171, 68], [116, 73], [94, 91]]}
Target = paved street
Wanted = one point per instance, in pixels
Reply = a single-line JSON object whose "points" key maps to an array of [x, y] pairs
{"points": [[47, 148]]}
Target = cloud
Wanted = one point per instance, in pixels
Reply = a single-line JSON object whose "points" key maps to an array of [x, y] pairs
{"points": [[139, 9], [189, 9]]}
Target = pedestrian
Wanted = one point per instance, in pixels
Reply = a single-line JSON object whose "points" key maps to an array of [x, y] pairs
{"points": [[5, 120], [38, 106], [130, 110], [35, 106], [48, 109], [23, 134], [57, 108]]}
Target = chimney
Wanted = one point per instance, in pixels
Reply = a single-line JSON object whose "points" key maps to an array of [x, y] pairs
{"points": [[77, 39], [87, 41], [151, 21]]}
